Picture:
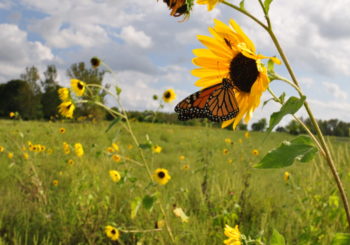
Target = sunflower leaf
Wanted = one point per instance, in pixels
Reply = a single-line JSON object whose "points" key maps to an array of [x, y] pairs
{"points": [[115, 120], [135, 206], [282, 97], [277, 238], [292, 105], [267, 5], [267, 101], [118, 90], [341, 239], [300, 148], [148, 201], [241, 5]]}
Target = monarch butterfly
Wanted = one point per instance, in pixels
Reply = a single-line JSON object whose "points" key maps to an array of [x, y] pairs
{"points": [[217, 103]]}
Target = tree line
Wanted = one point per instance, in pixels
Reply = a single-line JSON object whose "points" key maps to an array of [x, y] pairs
{"points": [[35, 97]]}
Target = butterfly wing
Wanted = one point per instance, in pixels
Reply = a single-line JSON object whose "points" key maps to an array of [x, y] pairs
{"points": [[195, 105], [222, 105]]}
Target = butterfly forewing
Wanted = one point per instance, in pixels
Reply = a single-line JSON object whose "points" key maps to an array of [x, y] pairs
{"points": [[217, 103]]}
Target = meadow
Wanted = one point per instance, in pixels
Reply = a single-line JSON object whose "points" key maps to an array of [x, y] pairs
{"points": [[50, 196]]}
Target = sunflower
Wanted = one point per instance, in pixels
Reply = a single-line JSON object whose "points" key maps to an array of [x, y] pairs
{"points": [[161, 176], [255, 152], [286, 176], [179, 7], [70, 161], [225, 151], [112, 232], [62, 130], [12, 114], [169, 95], [182, 157], [211, 3], [25, 156], [115, 175], [2, 148], [78, 148], [228, 141], [63, 94], [95, 62], [10, 155], [66, 109], [231, 54], [115, 146], [116, 158], [55, 182], [156, 149], [233, 234], [78, 86], [246, 135]]}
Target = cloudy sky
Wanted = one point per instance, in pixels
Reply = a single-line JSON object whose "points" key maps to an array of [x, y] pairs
{"points": [[151, 51]]}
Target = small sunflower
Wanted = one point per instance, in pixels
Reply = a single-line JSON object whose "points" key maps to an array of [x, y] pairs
{"points": [[211, 3], [62, 130], [185, 167], [156, 149], [179, 7], [95, 62], [78, 148], [286, 176], [2, 148], [70, 161], [246, 134], [55, 182], [169, 95], [66, 109], [25, 156], [116, 158], [225, 151], [255, 152], [49, 151], [182, 157], [10, 155], [78, 86], [130, 146], [115, 146], [228, 141], [233, 234], [115, 175], [159, 224], [12, 114], [231, 54], [161, 176], [112, 232], [229, 161], [63, 94]]}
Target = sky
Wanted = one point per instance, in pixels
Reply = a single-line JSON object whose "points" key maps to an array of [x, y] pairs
{"points": [[150, 51]]}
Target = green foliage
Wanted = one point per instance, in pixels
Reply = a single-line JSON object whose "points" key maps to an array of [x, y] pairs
{"points": [[259, 125], [341, 239], [277, 238], [267, 5], [292, 105], [300, 148]]}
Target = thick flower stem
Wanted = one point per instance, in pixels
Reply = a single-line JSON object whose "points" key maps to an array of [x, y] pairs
{"points": [[322, 141], [320, 136]]}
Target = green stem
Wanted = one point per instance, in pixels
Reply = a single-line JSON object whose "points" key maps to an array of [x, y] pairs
{"points": [[278, 77]]}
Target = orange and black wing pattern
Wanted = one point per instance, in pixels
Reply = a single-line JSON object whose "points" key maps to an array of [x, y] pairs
{"points": [[217, 103]]}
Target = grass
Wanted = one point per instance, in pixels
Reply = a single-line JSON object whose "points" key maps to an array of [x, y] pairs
{"points": [[306, 209]]}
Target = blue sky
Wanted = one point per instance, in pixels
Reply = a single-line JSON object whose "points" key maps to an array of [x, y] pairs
{"points": [[151, 51]]}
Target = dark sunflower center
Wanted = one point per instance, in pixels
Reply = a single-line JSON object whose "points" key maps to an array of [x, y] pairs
{"points": [[68, 106], [243, 72], [161, 175], [80, 86], [167, 95], [113, 231]]}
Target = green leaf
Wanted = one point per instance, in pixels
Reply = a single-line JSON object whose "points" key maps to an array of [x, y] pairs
{"points": [[277, 238], [135, 206], [145, 146], [267, 5], [292, 105], [341, 239], [241, 4], [148, 201], [115, 120], [270, 66], [300, 148], [282, 97], [267, 101], [118, 90]]}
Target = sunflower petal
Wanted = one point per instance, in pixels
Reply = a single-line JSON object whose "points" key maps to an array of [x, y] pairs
{"points": [[239, 31]]}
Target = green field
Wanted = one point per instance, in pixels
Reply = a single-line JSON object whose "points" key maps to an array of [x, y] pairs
{"points": [[215, 190]]}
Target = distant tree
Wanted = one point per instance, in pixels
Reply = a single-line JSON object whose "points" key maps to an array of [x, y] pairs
{"points": [[50, 76], [31, 76], [242, 126], [259, 125], [281, 129], [17, 95], [89, 76], [293, 127]]}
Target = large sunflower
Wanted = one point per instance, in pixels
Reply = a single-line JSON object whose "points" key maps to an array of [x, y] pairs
{"points": [[211, 3], [231, 54]]}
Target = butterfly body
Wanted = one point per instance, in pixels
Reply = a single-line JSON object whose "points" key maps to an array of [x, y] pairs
{"points": [[217, 103]]}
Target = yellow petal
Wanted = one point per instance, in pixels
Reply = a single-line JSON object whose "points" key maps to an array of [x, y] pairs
{"points": [[208, 81], [211, 63], [238, 29]]}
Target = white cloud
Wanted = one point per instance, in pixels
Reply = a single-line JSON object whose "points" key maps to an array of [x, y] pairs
{"points": [[131, 36], [17, 51], [335, 90]]}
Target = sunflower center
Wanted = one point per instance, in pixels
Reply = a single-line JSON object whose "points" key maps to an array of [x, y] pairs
{"points": [[161, 175], [68, 106], [167, 95], [113, 231], [243, 72], [80, 86]]}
